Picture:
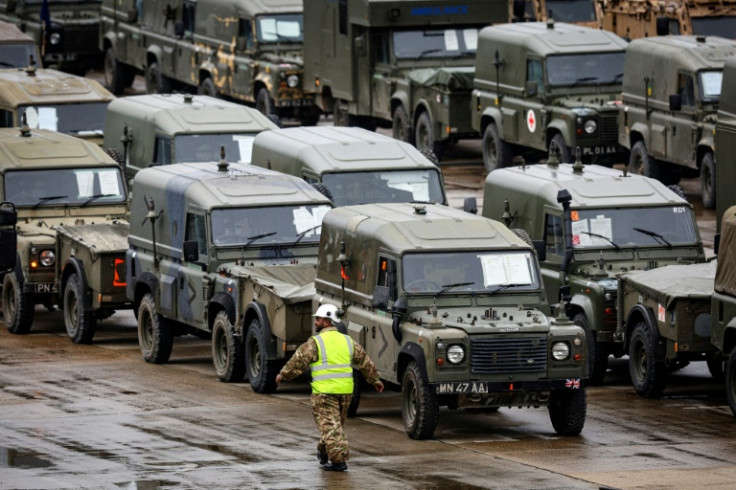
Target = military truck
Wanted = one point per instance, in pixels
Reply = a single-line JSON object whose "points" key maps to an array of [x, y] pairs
{"points": [[161, 129], [351, 165], [451, 307], [671, 90], [725, 141], [542, 85], [247, 50], [609, 222], [406, 64], [53, 100], [17, 49], [587, 13], [227, 250], [71, 236], [65, 31]]}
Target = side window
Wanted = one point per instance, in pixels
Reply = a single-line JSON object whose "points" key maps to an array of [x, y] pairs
{"points": [[553, 235], [387, 276], [6, 119], [162, 151], [196, 231], [342, 14], [535, 73], [188, 12], [380, 49], [245, 30], [686, 89]]}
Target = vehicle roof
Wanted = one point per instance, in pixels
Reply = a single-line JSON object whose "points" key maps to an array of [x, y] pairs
{"points": [[46, 86], [324, 149], [399, 228], [256, 7], [390, 13], [191, 114], [44, 148], [9, 33], [692, 52]]}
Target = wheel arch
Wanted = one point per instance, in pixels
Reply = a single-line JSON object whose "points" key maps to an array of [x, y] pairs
{"points": [[491, 115], [221, 302], [638, 314], [411, 351], [145, 283], [729, 339]]}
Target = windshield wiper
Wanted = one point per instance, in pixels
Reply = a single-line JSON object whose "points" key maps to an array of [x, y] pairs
{"points": [[45, 199], [446, 287], [304, 233], [504, 287], [598, 235], [95, 197], [584, 79], [654, 234], [253, 238], [426, 52]]}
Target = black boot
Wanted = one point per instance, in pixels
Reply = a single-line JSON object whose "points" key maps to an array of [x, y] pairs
{"points": [[336, 466], [322, 457]]}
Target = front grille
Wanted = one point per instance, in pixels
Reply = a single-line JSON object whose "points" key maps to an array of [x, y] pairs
{"points": [[80, 39], [609, 129], [508, 355]]}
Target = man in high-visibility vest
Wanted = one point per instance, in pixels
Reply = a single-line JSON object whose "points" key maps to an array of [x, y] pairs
{"points": [[331, 355]]}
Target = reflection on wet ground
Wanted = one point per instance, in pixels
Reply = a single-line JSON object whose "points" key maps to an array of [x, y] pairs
{"points": [[14, 458]]}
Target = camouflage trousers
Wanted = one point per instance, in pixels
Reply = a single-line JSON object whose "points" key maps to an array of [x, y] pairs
{"points": [[330, 413]]}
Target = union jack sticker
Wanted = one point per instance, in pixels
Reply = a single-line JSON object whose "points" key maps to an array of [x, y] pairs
{"points": [[572, 383]]}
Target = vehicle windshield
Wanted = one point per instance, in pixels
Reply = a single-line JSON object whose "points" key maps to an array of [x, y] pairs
{"points": [[206, 147], [282, 28], [75, 119], [261, 226], [17, 55], [435, 43], [474, 271], [633, 227], [585, 69], [710, 85], [64, 186], [722, 25], [349, 188], [571, 11]]}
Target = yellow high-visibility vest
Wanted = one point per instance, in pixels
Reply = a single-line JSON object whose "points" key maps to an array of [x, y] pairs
{"points": [[333, 371]]}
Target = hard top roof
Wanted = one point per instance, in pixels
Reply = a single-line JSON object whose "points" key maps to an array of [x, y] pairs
{"points": [[10, 33], [46, 86], [256, 7], [693, 52]]}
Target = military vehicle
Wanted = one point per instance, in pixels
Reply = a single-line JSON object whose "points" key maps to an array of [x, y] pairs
{"points": [[725, 141], [723, 303], [247, 50], [17, 49], [671, 90], [227, 250], [161, 129], [587, 13], [406, 64], [609, 223], [351, 165], [65, 31], [451, 307], [8, 236], [71, 238], [53, 100], [547, 85]]}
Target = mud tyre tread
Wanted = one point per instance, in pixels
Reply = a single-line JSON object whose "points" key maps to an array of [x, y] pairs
{"points": [[80, 324], [260, 370], [567, 411], [155, 333], [18, 308], [646, 363], [419, 406], [228, 357]]}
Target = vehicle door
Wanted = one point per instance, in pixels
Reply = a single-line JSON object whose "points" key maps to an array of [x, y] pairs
{"points": [[192, 304], [383, 86], [682, 128], [242, 86], [554, 239]]}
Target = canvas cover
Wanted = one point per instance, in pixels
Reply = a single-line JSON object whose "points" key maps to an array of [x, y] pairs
{"points": [[725, 282], [670, 283], [292, 283], [459, 78]]}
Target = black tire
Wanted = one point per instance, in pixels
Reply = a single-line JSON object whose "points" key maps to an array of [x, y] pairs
{"points": [[155, 335], [564, 152], [319, 186], [430, 155], [646, 363], [708, 181], [118, 76], [260, 370], [275, 119], [641, 163], [419, 406], [731, 381], [717, 367], [207, 87], [567, 411], [156, 83], [227, 350], [597, 353], [678, 190], [114, 154], [310, 118], [400, 126], [18, 308], [264, 102], [80, 324], [496, 153], [357, 389], [423, 136]]}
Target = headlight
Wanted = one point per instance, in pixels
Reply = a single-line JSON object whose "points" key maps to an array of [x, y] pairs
{"points": [[47, 258], [561, 351], [608, 296], [590, 126], [293, 81], [455, 354], [55, 38]]}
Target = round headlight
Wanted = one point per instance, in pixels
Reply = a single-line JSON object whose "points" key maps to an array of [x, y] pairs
{"points": [[293, 81], [47, 258], [608, 296], [590, 126], [455, 354], [561, 351], [55, 38]]}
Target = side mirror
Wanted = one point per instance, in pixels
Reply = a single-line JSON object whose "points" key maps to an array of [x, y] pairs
{"points": [[190, 251], [531, 88], [675, 102], [470, 205], [541, 248], [380, 297], [8, 214]]}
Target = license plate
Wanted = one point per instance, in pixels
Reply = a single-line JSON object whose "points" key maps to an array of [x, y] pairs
{"points": [[455, 388], [41, 287], [599, 150]]}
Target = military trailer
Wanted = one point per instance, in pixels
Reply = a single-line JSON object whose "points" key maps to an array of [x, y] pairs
{"points": [[723, 303], [161, 129], [547, 85], [65, 31], [671, 90], [604, 223], [71, 236], [247, 50], [351, 165], [53, 100], [406, 64], [227, 250], [451, 307], [17, 49], [725, 141], [586, 13]]}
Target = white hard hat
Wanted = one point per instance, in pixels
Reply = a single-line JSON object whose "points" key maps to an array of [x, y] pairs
{"points": [[327, 311]]}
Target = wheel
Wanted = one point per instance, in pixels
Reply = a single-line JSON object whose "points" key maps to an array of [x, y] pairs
{"points": [[419, 406], [400, 126], [261, 372], [18, 308], [678, 190], [567, 410], [80, 324], [731, 381], [641, 163], [227, 350], [430, 155], [423, 136], [357, 389], [114, 154], [717, 368], [156, 83], [646, 363], [319, 186], [155, 335], [708, 181], [310, 118], [564, 153], [496, 153], [597, 353], [207, 87], [118, 76], [275, 119], [264, 102]]}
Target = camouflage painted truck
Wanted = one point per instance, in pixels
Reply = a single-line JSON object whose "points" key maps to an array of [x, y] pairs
{"points": [[71, 235], [161, 129], [542, 86], [594, 223], [17, 49], [671, 91], [227, 250], [246, 50], [451, 307], [405, 64]]}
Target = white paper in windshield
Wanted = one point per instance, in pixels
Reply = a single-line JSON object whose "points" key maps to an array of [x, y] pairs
{"points": [[470, 36], [451, 42], [245, 147], [601, 226], [47, 118], [580, 238], [309, 221], [109, 184], [85, 183], [505, 269]]}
